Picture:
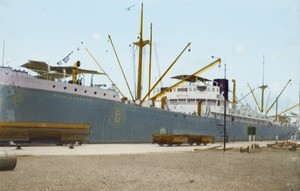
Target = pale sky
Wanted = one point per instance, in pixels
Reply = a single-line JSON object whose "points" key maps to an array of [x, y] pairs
{"points": [[241, 33]]}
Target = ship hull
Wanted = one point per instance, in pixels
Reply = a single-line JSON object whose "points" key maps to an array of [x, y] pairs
{"points": [[117, 122]]}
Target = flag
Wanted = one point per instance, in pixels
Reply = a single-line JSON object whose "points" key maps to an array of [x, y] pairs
{"points": [[66, 59]]}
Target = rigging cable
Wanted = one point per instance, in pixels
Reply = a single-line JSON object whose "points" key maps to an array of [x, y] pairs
{"points": [[157, 62], [134, 49]]}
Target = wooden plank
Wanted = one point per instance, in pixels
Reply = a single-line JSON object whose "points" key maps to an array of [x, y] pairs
{"points": [[19, 131], [45, 125]]}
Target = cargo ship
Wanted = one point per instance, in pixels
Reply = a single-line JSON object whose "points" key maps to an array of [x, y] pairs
{"points": [[54, 104]]}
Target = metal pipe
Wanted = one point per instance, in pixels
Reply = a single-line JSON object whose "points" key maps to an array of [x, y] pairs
{"points": [[7, 161]]}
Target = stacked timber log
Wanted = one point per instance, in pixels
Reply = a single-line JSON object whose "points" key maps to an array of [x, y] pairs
{"points": [[285, 145]]}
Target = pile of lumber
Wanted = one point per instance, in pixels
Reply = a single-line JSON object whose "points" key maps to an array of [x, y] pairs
{"points": [[285, 145]]}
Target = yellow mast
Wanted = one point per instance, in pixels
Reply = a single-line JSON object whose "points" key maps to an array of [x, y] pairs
{"points": [[234, 91], [263, 87], [141, 43]]}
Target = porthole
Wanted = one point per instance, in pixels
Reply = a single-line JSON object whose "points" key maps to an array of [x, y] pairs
{"points": [[75, 89], [65, 88], [53, 86]]}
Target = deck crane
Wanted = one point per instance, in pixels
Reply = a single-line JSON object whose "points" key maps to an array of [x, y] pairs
{"points": [[278, 97], [124, 76], [267, 104], [152, 88], [251, 90], [184, 79], [115, 85], [244, 96], [277, 115]]}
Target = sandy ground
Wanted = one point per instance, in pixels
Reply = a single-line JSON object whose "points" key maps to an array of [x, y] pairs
{"points": [[117, 149], [157, 168]]}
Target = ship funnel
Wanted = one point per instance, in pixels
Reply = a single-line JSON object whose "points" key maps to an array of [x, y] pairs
{"points": [[223, 84]]}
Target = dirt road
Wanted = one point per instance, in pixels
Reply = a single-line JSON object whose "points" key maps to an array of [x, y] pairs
{"points": [[264, 169]]}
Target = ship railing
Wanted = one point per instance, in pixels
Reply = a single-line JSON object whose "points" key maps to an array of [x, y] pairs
{"points": [[242, 116]]}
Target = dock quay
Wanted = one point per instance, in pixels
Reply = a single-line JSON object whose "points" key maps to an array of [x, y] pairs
{"points": [[121, 149], [152, 167]]}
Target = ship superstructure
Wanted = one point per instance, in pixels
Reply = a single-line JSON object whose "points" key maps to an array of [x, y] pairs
{"points": [[205, 98]]}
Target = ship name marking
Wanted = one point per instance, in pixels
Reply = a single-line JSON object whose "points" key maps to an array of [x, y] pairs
{"points": [[73, 98]]}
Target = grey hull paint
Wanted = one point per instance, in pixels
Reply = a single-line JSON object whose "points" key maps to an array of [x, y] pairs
{"points": [[117, 122]]}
